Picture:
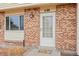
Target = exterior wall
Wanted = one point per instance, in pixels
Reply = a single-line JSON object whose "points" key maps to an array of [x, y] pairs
{"points": [[32, 24], [66, 27], [14, 11], [32, 27], [14, 42], [2, 26], [32, 35], [51, 7]]}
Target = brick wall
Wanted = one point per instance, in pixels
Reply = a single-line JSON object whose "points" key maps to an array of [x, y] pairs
{"points": [[1, 27], [66, 26], [32, 27], [13, 43]]}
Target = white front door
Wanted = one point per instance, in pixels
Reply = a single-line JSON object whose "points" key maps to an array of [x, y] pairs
{"points": [[47, 32]]}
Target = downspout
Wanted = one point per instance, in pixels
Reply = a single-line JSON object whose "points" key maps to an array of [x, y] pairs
{"points": [[24, 28]]}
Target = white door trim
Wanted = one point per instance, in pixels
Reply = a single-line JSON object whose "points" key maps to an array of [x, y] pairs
{"points": [[47, 14]]}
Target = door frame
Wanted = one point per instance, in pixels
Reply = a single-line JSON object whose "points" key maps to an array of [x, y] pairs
{"points": [[54, 26]]}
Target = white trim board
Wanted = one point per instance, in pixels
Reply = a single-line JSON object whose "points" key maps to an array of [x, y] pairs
{"points": [[77, 29]]}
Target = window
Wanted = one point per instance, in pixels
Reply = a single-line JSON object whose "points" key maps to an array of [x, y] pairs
{"points": [[15, 22]]}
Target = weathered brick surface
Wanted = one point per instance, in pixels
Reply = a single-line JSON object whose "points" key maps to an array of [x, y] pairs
{"points": [[13, 43], [66, 26], [32, 27], [2, 26]]}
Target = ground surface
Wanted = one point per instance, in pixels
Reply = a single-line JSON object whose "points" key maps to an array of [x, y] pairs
{"points": [[43, 51], [33, 51]]}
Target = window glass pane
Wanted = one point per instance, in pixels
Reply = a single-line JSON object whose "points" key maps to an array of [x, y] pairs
{"points": [[21, 22], [7, 23], [14, 24]]}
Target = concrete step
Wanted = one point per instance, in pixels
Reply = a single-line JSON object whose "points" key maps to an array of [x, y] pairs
{"points": [[68, 53], [43, 51]]}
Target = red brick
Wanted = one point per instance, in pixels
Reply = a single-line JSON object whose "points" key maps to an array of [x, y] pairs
{"points": [[66, 26]]}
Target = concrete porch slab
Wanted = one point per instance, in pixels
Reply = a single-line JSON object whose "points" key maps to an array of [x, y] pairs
{"points": [[42, 51]]}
